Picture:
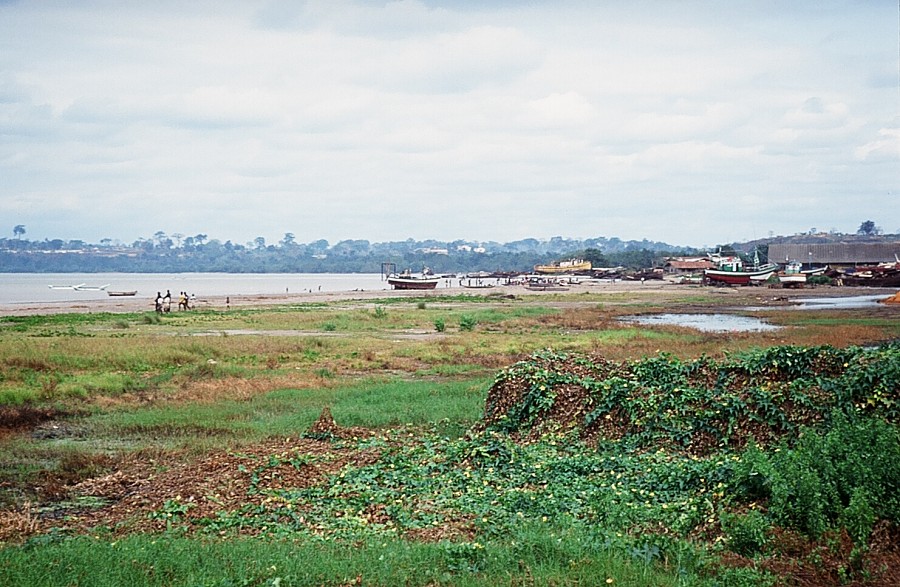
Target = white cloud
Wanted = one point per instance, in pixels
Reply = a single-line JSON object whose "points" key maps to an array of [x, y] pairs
{"points": [[885, 148], [351, 119]]}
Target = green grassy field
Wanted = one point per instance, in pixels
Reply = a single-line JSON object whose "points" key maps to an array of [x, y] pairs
{"points": [[204, 421]]}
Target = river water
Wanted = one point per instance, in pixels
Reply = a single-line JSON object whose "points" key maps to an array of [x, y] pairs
{"points": [[35, 287]]}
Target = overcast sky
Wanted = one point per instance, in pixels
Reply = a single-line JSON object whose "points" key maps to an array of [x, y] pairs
{"points": [[693, 123]]}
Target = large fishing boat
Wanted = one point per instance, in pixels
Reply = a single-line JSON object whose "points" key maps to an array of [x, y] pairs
{"points": [[730, 270], [409, 280], [570, 266]]}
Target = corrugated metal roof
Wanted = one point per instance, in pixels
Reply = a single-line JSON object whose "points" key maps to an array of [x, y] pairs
{"points": [[835, 253], [690, 265]]}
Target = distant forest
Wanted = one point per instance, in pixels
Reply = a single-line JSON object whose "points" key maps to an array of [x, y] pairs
{"points": [[178, 254]]}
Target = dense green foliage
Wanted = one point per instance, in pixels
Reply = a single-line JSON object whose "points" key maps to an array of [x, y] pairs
{"points": [[847, 476], [702, 405], [583, 469], [164, 254]]}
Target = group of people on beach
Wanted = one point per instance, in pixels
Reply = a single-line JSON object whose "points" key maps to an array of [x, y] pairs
{"points": [[164, 302]]}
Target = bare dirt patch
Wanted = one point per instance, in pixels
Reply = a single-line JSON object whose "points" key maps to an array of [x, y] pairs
{"points": [[17, 418]]}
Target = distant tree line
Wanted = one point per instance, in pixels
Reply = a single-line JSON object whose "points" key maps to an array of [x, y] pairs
{"points": [[163, 253]]}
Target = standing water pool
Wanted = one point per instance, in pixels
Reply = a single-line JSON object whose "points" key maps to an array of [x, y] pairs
{"points": [[706, 322]]}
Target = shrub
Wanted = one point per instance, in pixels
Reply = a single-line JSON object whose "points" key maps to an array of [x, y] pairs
{"points": [[745, 533], [858, 518], [439, 325], [467, 322], [845, 477]]}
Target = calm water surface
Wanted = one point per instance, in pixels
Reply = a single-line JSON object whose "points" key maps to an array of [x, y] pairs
{"points": [[34, 287], [706, 322]]}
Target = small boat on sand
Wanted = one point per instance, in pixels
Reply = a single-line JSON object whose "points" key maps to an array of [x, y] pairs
{"points": [[792, 275], [536, 283]]}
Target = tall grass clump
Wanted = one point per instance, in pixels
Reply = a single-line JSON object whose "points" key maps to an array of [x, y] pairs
{"points": [[151, 318], [16, 395], [467, 322], [109, 384]]}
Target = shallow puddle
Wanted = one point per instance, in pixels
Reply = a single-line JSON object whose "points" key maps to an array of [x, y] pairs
{"points": [[706, 322], [842, 303]]}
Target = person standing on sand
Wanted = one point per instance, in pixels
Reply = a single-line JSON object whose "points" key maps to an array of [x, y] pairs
{"points": [[227, 303], [159, 302]]}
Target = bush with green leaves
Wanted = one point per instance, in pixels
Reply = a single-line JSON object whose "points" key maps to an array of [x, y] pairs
{"points": [[745, 534], [467, 322], [848, 477]]}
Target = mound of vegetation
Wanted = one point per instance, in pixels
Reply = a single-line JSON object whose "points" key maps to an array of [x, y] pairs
{"points": [[700, 405], [715, 472], [801, 444]]}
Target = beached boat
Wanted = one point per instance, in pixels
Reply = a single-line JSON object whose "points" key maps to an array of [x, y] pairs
{"points": [[408, 280], [881, 275], [536, 283], [475, 284], [122, 293], [731, 271], [570, 266], [875, 278], [792, 275], [814, 271]]}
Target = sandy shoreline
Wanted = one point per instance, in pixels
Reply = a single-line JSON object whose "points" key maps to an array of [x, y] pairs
{"points": [[123, 305]]}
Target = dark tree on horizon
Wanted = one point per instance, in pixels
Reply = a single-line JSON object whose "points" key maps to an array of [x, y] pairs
{"points": [[867, 228]]}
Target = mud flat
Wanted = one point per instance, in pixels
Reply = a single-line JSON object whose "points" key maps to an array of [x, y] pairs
{"points": [[658, 290]]}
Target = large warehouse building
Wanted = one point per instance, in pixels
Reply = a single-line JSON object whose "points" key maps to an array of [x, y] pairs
{"points": [[835, 254]]}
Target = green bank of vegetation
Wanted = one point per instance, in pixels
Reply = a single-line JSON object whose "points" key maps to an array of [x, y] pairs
{"points": [[164, 253], [357, 443]]}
